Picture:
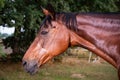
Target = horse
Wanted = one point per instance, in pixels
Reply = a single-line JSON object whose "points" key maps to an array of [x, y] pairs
{"points": [[97, 32]]}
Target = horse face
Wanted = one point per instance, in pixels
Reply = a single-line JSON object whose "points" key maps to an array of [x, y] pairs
{"points": [[52, 39]]}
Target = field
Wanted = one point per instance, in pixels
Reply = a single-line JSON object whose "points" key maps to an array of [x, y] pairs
{"points": [[70, 69]]}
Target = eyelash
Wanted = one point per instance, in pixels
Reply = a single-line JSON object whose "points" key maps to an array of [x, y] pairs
{"points": [[44, 32]]}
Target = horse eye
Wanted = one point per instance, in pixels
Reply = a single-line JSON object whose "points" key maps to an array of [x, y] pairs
{"points": [[44, 32], [53, 26]]}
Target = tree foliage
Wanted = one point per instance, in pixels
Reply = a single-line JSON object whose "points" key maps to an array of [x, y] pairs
{"points": [[26, 16]]}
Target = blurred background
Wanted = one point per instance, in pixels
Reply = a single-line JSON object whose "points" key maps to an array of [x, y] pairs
{"points": [[19, 23]]}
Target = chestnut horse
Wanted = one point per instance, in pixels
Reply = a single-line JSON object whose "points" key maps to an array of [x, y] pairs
{"points": [[99, 33]]}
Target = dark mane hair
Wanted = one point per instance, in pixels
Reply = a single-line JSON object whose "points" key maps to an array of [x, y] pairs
{"points": [[46, 21], [68, 19]]}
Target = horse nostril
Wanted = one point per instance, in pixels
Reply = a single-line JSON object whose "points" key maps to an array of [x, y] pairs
{"points": [[24, 63]]}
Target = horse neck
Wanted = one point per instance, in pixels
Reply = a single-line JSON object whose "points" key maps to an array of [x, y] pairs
{"points": [[78, 40], [94, 28], [95, 37]]}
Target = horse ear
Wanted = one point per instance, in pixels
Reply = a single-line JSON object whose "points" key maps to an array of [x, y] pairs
{"points": [[49, 11]]}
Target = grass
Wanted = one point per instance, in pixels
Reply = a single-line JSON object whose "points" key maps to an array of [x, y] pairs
{"points": [[2, 54], [65, 71], [70, 69]]}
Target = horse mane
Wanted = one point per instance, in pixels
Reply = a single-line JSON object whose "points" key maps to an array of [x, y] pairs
{"points": [[68, 19], [106, 21], [98, 20]]}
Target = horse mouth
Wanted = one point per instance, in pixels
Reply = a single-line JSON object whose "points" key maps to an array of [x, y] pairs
{"points": [[30, 68]]}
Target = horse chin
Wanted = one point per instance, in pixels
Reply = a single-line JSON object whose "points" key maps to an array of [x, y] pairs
{"points": [[32, 70]]}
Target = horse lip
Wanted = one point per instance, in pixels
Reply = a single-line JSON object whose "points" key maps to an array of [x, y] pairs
{"points": [[31, 67], [32, 70]]}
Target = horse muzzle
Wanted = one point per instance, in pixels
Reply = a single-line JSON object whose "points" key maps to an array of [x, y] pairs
{"points": [[30, 67]]}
